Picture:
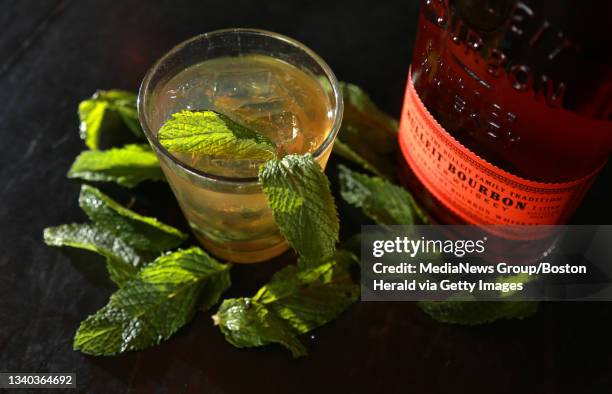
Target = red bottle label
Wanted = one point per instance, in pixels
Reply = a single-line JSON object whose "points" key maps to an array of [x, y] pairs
{"points": [[474, 189]]}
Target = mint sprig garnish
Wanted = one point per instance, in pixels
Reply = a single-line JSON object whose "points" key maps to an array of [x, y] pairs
{"points": [[298, 193], [126, 166], [150, 308], [213, 134], [126, 239], [102, 111], [295, 301]]}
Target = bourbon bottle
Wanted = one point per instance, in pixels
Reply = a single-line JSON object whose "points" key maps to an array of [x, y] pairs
{"points": [[506, 117]]}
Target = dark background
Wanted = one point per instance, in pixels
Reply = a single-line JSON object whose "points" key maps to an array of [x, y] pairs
{"points": [[55, 53]]}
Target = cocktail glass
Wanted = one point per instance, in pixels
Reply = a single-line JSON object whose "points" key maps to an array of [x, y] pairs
{"points": [[227, 210]]}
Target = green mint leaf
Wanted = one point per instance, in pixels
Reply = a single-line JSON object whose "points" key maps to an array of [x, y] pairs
{"points": [[298, 193], [127, 166], [91, 114], [214, 134], [122, 260], [380, 200], [99, 114], [308, 297], [297, 299], [141, 232], [477, 312], [126, 239], [367, 136], [151, 308], [247, 323], [182, 266]]}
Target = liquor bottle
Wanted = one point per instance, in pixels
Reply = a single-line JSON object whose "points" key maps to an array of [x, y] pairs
{"points": [[506, 118]]}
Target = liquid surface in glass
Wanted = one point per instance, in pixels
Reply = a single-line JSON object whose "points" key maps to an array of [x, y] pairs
{"points": [[266, 94]]}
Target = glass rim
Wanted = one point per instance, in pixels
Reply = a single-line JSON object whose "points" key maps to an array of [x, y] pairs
{"points": [[338, 109]]}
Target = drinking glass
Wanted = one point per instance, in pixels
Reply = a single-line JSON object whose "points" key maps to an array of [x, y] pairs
{"points": [[228, 214]]}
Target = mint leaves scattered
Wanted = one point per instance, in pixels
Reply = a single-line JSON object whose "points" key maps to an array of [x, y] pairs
{"points": [[298, 193], [160, 294], [213, 134], [149, 309], [388, 204], [156, 299], [296, 300], [101, 113], [126, 166], [125, 238]]}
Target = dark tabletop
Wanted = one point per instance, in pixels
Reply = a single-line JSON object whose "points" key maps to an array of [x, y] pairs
{"points": [[54, 53]]}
